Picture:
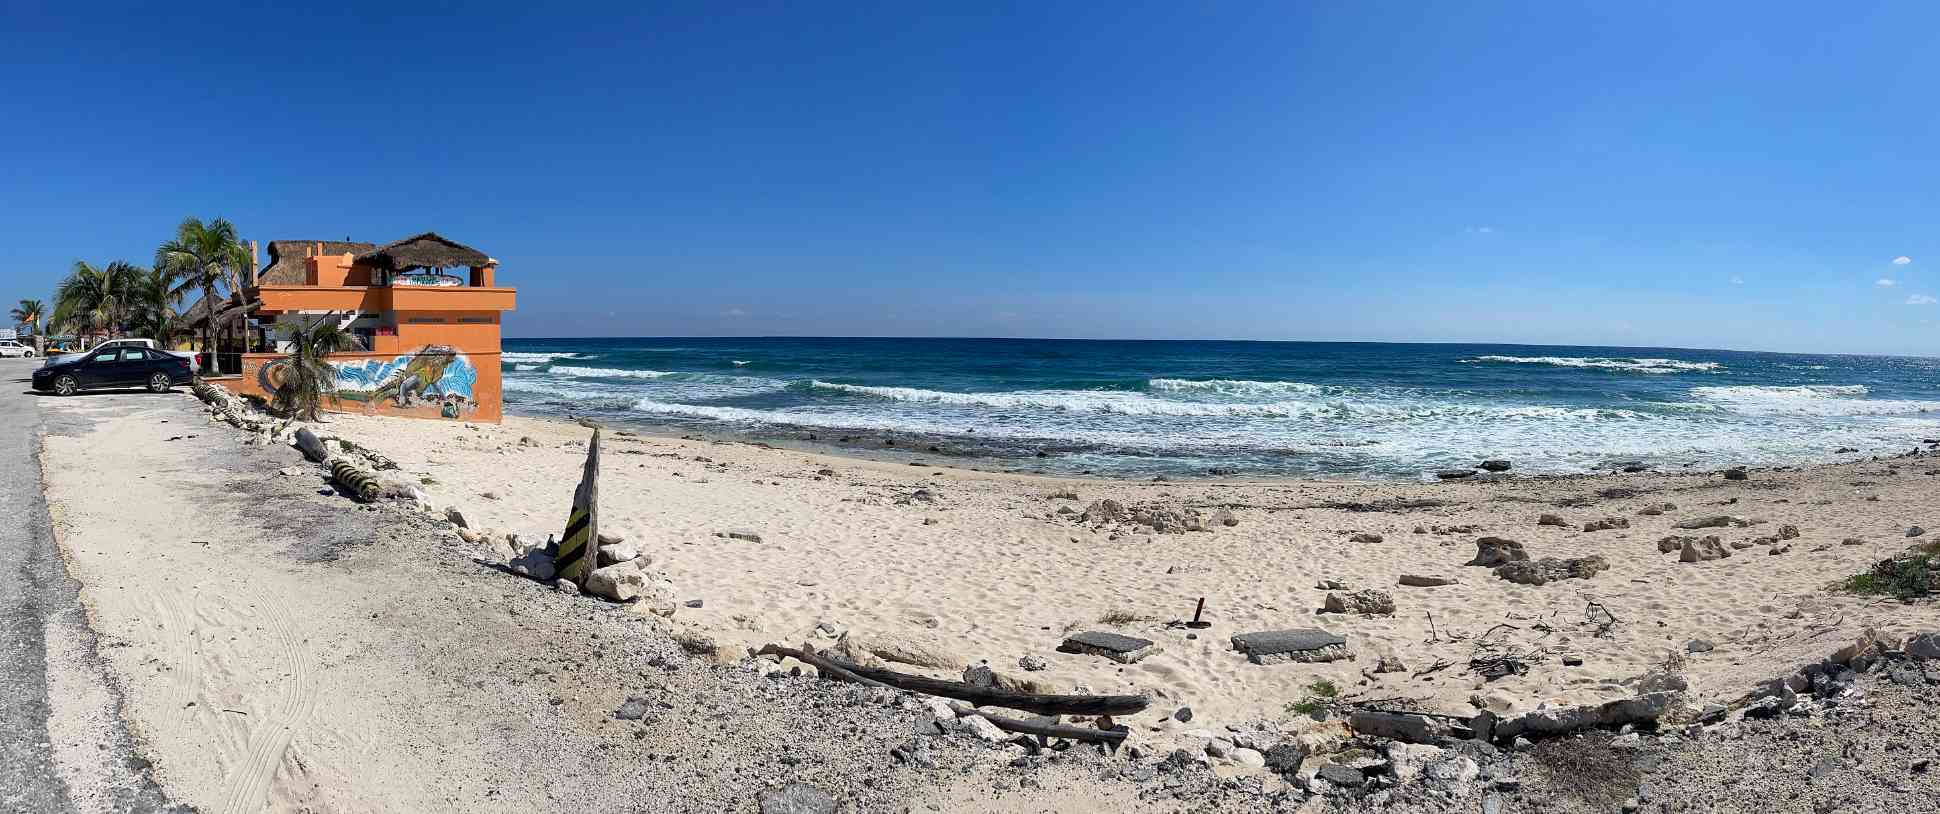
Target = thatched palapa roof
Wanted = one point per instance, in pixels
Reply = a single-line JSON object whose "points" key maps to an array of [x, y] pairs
{"points": [[226, 312], [425, 251], [286, 258]]}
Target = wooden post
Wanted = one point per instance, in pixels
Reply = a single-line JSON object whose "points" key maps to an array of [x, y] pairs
{"points": [[579, 545]]}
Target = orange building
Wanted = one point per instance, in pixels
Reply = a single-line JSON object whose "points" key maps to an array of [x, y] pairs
{"points": [[432, 334]]}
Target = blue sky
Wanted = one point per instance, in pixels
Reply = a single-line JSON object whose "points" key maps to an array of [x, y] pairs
{"points": [[1734, 175]]}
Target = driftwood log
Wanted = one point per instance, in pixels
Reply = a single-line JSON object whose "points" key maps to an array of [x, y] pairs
{"points": [[854, 674], [971, 693]]}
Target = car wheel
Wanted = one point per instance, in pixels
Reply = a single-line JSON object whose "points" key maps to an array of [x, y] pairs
{"points": [[30, 355], [159, 383], [66, 386]]}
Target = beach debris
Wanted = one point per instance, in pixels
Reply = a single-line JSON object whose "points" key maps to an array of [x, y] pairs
{"points": [[971, 695], [1425, 581], [918, 650], [617, 553], [456, 517], [1364, 537], [534, 564], [1675, 542], [311, 447], [1852, 541], [1915, 531], [1736, 473], [795, 798], [633, 709], [1717, 521], [356, 481], [1788, 532], [1198, 613], [1033, 663], [1455, 474], [1494, 465], [1494, 551], [1702, 550], [1551, 569], [1103, 511], [1117, 647], [1699, 646], [739, 534], [1607, 524], [1552, 520], [1061, 494], [1305, 645], [576, 557], [1224, 517], [621, 582], [1367, 602]]}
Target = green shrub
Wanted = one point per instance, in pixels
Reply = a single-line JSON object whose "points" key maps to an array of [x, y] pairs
{"points": [[1902, 578], [1320, 695]]}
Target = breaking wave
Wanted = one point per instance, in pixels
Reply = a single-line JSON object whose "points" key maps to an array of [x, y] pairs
{"points": [[541, 358], [1642, 365], [1235, 388], [1809, 400]]}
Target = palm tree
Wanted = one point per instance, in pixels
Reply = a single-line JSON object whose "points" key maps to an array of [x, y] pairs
{"points": [[200, 256], [95, 301], [152, 306], [304, 377], [30, 313]]}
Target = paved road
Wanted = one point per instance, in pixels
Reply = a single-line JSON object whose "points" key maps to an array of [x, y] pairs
{"points": [[44, 637]]}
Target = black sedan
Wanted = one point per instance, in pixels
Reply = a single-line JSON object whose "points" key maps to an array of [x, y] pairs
{"points": [[114, 367]]}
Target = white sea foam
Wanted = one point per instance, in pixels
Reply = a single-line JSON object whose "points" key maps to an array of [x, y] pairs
{"points": [[608, 372], [525, 367], [542, 358], [739, 362], [1643, 365], [1239, 388], [1809, 400]]}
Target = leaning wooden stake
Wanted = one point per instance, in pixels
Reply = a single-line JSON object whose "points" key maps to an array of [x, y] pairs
{"points": [[578, 546], [976, 694]]}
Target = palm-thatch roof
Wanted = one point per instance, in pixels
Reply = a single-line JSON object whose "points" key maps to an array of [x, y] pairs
{"points": [[425, 251], [226, 312], [286, 258]]}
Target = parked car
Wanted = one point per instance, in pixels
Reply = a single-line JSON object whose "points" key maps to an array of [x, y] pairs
{"points": [[195, 359], [114, 367], [9, 347]]}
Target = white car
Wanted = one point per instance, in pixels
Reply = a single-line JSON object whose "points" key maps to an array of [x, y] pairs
{"points": [[195, 359], [9, 347]]}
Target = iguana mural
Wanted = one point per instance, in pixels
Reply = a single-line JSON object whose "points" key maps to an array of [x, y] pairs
{"points": [[436, 375]]}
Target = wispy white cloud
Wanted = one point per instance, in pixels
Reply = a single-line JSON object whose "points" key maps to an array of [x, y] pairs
{"points": [[1920, 299], [734, 312], [1885, 282], [1902, 260], [1737, 280], [1481, 230]]}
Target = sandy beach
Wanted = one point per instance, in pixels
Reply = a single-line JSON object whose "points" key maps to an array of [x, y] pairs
{"points": [[977, 567]]}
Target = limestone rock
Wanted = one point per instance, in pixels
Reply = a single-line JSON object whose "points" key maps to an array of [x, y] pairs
{"points": [[1367, 602], [621, 582], [1033, 663], [535, 564], [1551, 569], [617, 553], [1551, 520], [1606, 524], [1495, 465], [797, 798], [1364, 537], [983, 729], [1307, 645], [1425, 580], [1703, 550], [1717, 521], [1104, 511], [1494, 551]]}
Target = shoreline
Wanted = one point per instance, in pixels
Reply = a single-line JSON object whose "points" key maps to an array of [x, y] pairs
{"points": [[952, 459], [994, 568]]}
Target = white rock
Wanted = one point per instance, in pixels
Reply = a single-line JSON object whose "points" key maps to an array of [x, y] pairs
{"points": [[617, 552], [621, 582], [1248, 758], [983, 729], [1409, 759], [939, 708]]}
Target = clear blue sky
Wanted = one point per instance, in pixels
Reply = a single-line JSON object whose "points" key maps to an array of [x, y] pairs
{"points": [[1696, 174]]}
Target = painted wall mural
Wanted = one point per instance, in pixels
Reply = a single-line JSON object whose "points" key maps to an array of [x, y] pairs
{"points": [[432, 380]]}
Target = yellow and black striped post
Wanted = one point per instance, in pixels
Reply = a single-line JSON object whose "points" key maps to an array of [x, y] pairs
{"points": [[578, 547], [361, 484]]}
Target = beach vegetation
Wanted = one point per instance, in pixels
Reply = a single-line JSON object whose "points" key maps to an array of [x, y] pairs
{"points": [[1321, 695], [306, 377], [202, 257], [94, 301], [31, 314], [1906, 578]]}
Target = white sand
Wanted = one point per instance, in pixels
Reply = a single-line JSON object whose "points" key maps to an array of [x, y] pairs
{"points": [[998, 576]]}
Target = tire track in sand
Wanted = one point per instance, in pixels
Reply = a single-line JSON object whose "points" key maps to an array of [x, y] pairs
{"points": [[247, 787]]}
